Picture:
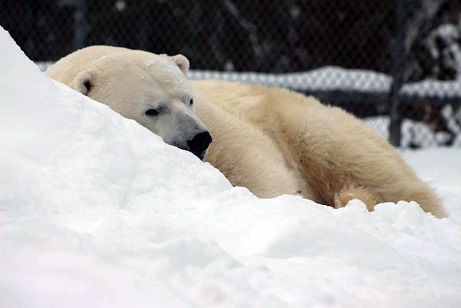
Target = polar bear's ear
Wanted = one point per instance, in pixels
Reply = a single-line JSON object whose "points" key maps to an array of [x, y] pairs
{"points": [[181, 62], [83, 82]]}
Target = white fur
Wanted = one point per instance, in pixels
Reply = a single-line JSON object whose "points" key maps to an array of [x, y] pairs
{"points": [[132, 82]]}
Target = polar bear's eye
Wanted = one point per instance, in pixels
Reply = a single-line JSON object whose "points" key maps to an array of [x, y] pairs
{"points": [[152, 112], [191, 102]]}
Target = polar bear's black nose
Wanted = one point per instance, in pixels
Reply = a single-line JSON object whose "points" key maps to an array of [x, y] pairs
{"points": [[200, 143]]}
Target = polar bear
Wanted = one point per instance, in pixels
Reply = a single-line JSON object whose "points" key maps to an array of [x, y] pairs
{"points": [[270, 140]]}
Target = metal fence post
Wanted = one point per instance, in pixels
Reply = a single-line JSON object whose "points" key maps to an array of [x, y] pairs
{"points": [[80, 24], [398, 69], [143, 25]]}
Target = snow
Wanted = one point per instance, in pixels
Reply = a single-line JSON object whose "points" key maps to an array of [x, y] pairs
{"points": [[96, 211], [418, 133], [446, 37]]}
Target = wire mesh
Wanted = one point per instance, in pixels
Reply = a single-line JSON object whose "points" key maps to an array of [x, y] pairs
{"points": [[342, 51]]}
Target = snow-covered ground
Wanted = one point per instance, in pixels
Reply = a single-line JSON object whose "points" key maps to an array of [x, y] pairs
{"points": [[96, 211]]}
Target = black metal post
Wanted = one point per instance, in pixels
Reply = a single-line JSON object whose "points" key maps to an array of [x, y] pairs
{"points": [[395, 126], [143, 25], [80, 24]]}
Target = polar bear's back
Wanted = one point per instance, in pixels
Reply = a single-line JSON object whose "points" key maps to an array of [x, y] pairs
{"points": [[337, 156]]}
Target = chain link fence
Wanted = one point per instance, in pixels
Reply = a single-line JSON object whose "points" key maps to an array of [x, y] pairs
{"points": [[396, 64]]}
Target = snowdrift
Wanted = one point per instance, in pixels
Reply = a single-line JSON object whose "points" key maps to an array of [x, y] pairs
{"points": [[96, 211]]}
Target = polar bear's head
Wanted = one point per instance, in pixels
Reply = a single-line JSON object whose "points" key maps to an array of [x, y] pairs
{"points": [[148, 88]]}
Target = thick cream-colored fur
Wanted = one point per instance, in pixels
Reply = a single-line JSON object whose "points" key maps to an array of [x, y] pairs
{"points": [[333, 156], [270, 140]]}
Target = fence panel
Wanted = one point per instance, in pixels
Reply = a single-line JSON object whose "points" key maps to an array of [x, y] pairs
{"points": [[393, 63]]}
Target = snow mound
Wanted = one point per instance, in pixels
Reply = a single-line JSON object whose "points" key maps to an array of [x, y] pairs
{"points": [[96, 211]]}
